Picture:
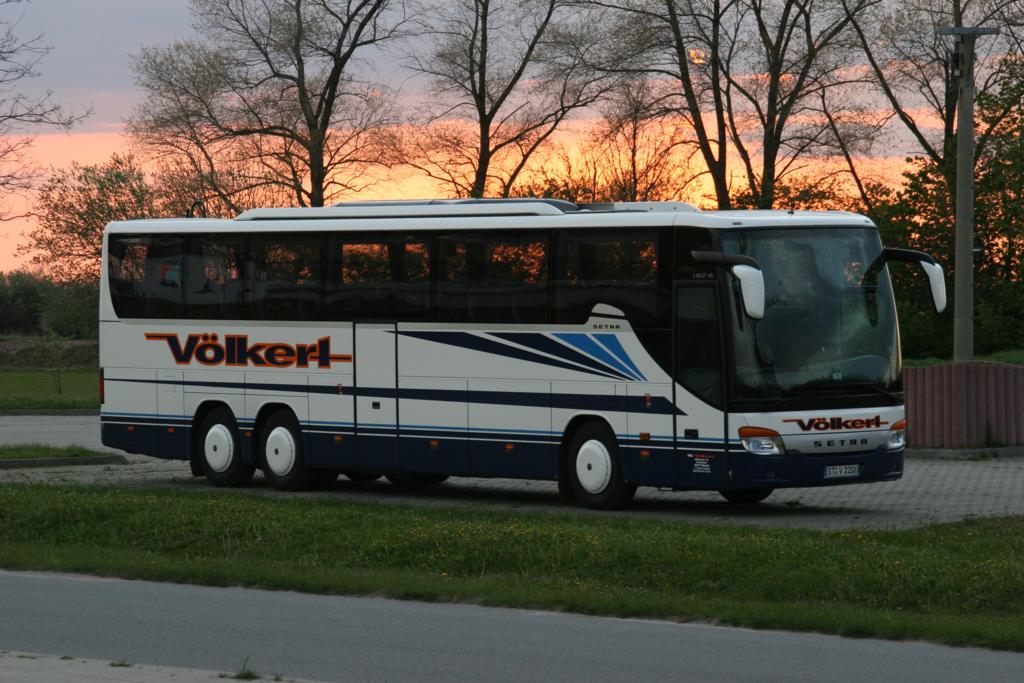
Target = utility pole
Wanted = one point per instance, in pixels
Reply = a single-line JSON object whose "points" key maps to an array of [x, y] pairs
{"points": [[963, 288]]}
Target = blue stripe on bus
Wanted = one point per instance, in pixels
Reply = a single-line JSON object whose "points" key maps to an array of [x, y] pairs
{"points": [[612, 343], [545, 344], [636, 404], [586, 344], [474, 342]]}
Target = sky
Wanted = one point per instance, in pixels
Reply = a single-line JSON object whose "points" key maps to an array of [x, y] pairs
{"points": [[88, 68]]}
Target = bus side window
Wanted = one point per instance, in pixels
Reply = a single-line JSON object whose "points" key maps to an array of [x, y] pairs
{"points": [[286, 277], [126, 269], [609, 269], [213, 278], [378, 279], [144, 275], [491, 279]]}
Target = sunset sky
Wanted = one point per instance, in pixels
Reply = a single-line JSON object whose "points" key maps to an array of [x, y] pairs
{"points": [[89, 68]]}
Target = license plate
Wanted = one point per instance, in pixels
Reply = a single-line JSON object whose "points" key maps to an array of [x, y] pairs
{"points": [[840, 471]]}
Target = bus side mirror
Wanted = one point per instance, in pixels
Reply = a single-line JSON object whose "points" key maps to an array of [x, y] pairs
{"points": [[933, 270], [937, 283], [752, 289]]}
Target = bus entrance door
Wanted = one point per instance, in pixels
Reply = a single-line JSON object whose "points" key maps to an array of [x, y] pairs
{"points": [[701, 452], [374, 362]]}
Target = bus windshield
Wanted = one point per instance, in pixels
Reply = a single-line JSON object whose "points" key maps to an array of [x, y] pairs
{"points": [[829, 326]]}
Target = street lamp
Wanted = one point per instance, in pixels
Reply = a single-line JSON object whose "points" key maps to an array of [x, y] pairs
{"points": [[963, 293]]}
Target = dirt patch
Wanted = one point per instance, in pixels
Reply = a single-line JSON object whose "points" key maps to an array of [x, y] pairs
{"points": [[26, 352]]}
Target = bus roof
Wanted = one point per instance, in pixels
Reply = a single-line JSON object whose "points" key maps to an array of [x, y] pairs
{"points": [[448, 214]]}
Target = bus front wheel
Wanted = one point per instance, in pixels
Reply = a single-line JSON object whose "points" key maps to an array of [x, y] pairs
{"points": [[594, 469], [747, 496], [219, 450]]}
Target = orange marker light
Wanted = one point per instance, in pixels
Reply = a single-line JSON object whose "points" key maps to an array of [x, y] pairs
{"points": [[757, 431], [645, 454], [510, 447], [645, 436], [434, 443]]}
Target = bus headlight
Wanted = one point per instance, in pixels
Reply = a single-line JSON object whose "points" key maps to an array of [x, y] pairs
{"points": [[897, 435], [761, 441]]}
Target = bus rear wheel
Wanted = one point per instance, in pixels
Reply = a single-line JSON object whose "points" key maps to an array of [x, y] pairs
{"points": [[594, 469], [219, 450], [282, 456], [747, 496]]}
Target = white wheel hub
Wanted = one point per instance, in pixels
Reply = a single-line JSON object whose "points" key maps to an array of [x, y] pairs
{"points": [[593, 466], [280, 451], [219, 448]]}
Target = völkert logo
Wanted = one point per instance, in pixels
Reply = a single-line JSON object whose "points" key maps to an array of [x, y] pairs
{"points": [[824, 424], [236, 351]]}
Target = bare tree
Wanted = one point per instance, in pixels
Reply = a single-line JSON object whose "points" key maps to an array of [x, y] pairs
{"points": [[913, 70], [640, 147], [504, 74], [271, 88], [747, 73], [637, 151], [21, 113]]}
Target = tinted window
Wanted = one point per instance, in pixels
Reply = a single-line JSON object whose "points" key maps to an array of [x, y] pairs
{"points": [[493, 279], [214, 278], [144, 274], [383, 278], [699, 348], [608, 269], [286, 277]]}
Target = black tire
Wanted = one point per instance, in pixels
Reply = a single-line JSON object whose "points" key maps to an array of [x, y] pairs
{"points": [[746, 496], [362, 477], [218, 450], [414, 479], [593, 468], [282, 457]]}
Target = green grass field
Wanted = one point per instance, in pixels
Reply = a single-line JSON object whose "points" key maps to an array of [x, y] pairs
{"points": [[32, 451], [33, 389], [953, 583]]}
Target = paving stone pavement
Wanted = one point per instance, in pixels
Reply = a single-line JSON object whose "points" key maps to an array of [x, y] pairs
{"points": [[930, 491]]}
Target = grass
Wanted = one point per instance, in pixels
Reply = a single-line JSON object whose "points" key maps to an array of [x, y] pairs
{"points": [[1013, 357], [32, 451], [953, 583], [246, 673], [33, 389]]}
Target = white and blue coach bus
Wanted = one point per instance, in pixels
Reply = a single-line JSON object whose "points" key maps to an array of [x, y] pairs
{"points": [[603, 346]]}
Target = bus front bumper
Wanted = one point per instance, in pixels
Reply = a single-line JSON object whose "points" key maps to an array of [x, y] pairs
{"points": [[748, 471]]}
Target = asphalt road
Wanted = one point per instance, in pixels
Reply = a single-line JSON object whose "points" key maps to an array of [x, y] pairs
{"points": [[334, 638], [930, 491]]}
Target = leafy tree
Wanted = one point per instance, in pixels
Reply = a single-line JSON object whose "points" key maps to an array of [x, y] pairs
{"points": [[72, 209], [921, 215]]}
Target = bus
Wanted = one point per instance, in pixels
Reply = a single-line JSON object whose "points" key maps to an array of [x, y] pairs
{"points": [[602, 346]]}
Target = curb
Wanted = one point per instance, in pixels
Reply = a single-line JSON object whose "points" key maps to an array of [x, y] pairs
{"points": [[64, 462], [52, 411], [966, 454]]}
